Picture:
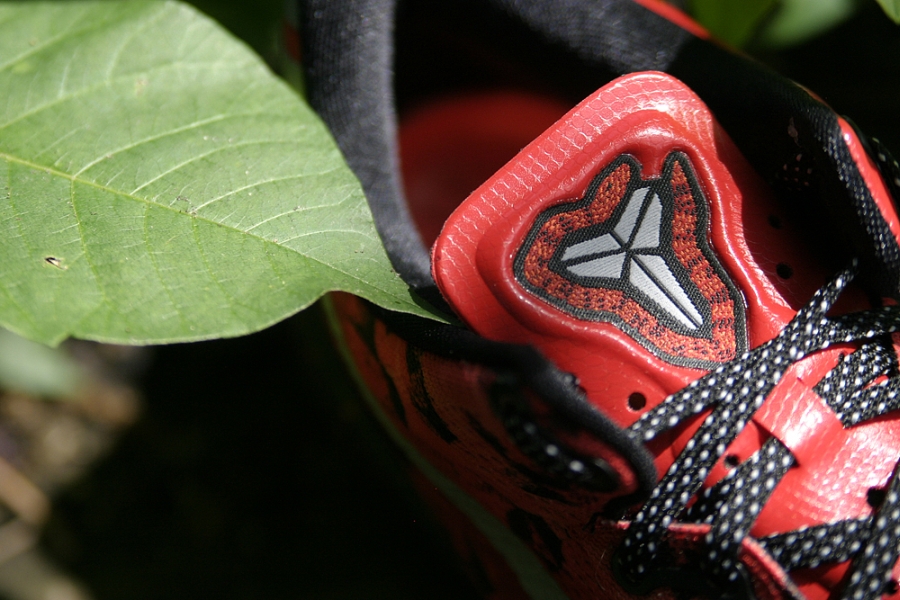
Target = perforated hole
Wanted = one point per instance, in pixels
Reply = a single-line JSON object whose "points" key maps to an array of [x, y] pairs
{"points": [[784, 270], [637, 401], [875, 497], [732, 460], [891, 587]]}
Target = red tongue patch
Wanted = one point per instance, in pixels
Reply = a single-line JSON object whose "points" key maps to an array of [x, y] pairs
{"points": [[631, 243], [635, 252]]}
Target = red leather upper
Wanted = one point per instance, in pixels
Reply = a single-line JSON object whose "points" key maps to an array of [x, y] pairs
{"points": [[754, 244]]}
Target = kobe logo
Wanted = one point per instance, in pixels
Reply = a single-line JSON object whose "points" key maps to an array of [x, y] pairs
{"points": [[635, 253]]}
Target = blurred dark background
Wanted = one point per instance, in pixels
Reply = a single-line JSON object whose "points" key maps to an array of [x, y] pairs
{"points": [[255, 471]]}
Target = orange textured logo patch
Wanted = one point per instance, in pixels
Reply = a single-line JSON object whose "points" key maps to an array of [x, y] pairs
{"points": [[635, 253]]}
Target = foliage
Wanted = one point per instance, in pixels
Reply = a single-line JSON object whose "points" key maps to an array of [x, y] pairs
{"points": [[796, 21], [776, 23], [34, 369], [159, 184], [734, 21], [892, 8]]}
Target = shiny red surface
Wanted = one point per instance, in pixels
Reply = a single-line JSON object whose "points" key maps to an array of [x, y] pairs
{"points": [[649, 115]]}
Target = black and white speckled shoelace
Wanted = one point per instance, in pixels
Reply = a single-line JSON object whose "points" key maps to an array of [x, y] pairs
{"points": [[734, 392]]}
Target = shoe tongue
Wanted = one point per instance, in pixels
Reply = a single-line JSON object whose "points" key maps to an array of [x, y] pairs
{"points": [[632, 244]]}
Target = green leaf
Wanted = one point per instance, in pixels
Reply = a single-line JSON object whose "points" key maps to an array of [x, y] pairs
{"points": [[796, 21], [32, 368], [892, 8], [734, 21], [159, 184]]}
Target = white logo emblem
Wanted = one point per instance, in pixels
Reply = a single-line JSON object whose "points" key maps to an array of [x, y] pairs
{"points": [[631, 253]]}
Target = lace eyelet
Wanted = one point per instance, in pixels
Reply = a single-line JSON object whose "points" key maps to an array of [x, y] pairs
{"points": [[784, 270], [637, 401]]}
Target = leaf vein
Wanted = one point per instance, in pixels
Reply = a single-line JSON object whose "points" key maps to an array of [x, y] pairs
{"points": [[114, 58], [324, 231], [219, 284], [86, 254], [91, 88], [24, 241], [153, 138], [51, 42], [257, 184], [57, 173], [146, 235], [201, 157]]}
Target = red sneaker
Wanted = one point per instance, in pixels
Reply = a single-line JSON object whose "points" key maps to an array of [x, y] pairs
{"points": [[679, 372], [634, 246]]}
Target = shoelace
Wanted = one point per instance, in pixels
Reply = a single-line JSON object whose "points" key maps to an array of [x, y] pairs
{"points": [[734, 392]]}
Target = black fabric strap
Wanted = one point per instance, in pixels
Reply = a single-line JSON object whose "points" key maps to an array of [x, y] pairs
{"points": [[622, 36], [348, 53], [810, 547]]}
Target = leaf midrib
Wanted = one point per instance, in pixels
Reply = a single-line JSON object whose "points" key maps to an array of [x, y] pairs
{"points": [[94, 184]]}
